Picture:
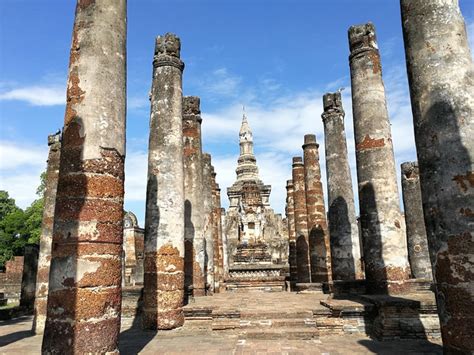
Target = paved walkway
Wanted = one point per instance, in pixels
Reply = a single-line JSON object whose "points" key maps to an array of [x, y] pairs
{"points": [[16, 338]]}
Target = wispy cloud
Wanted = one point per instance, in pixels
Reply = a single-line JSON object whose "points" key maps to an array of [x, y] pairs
{"points": [[48, 95]]}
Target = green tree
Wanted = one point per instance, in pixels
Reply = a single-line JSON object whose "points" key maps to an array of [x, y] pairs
{"points": [[33, 219], [7, 204]]}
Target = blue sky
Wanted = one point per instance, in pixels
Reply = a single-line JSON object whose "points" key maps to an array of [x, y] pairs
{"points": [[277, 57]]}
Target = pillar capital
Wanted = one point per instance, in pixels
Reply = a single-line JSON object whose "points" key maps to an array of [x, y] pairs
{"points": [[362, 38], [289, 184], [297, 161], [310, 141], [54, 138], [167, 51], [332, 104], [410, 169], [191, 108]]}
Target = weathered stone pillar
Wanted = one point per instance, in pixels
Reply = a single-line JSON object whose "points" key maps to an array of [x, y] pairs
{"points": [[163, 290], [383, 232], [85, 275], [225, 258], [343, 230], [28, 280], [46, 238], [208, 204], [441, 77], [418, 253], [218, 250], [193, 190], [301, 222], [319, 243], [290, 217]]}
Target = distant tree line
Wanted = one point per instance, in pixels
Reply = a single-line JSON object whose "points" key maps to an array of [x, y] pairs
{"points": [[19, 227]]}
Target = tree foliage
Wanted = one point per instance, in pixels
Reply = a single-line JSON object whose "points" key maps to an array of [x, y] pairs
{"points": [[18, 227]]}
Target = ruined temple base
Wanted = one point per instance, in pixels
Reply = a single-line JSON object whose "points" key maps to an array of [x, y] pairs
{"points": [[247, 277]]}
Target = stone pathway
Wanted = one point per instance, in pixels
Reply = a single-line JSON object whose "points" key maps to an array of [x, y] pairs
{"points": [[16, 338]]}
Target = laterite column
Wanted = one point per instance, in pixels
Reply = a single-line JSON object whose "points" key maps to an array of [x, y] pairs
{"points": [[319, 244], [46, 238], [163, 289], [208, 204], [193, 190], [85, 292], [383, 229], [343, 229], [290, 217], [301, 222], [418, 253], [441, 78]]}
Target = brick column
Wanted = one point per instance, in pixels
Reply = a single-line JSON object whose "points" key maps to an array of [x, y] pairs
{"points": [[383, 230], [418, 253], [164, 220], [208, 204], [319, 244], [193, 190], [290, 217], [85, 276], [46, 239], [440, 73], [225, 259], [301, 222], [343, 229]]}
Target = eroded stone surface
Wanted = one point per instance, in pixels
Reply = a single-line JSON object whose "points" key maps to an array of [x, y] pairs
{"points": [[440, 73], [290, 217], [319, 244], [193, 193], [343, 229], [46, 239], [418, 253], [382, 225], [164, 219], [301, 221], [87, 237]]}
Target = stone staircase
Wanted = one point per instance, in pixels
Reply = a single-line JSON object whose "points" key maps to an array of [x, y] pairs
{"points": [[268, 325]]}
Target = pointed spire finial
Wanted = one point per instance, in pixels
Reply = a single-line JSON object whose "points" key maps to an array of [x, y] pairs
{"points": [[244, 116]]}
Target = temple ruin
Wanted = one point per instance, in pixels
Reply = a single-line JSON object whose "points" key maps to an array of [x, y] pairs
{"points": [[246, 273]]}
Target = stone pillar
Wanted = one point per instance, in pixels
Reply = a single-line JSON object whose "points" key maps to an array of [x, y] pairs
{"points": [[441, 78], [418, 253], [208, 203], [383, 231], [46, 238], [319, 244], [343, 230], [218, 249], [193, 190], [84, 298], [301, 222], [290, 216], [28, 280], [163, 289], [225, 257]]}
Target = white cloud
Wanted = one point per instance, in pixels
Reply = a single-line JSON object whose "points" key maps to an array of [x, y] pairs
{"points": [[48, 95], [20, 169]]}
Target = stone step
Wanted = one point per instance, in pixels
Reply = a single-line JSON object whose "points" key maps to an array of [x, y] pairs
{"points": [[249, 315], [289, 333], [278, 323]]}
